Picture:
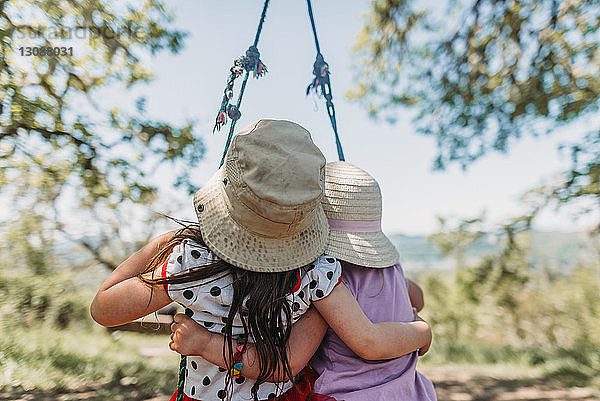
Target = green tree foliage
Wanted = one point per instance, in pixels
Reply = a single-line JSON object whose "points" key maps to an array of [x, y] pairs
{"points": [[505, 307], [39, 94], [484, 73], [55, 136], [42, 97]]}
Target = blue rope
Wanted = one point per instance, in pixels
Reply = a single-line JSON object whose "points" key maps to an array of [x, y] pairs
{"points": [[321, 81], [251, 62], [181, 381]]}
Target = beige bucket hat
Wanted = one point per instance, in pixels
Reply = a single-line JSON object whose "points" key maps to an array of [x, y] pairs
{"points": [[261, 211], [352, 204]]}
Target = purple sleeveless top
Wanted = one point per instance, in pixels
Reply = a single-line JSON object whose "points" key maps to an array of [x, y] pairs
{"points": [[383, 296]]}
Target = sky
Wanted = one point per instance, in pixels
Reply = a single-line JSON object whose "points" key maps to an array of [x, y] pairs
{"points": [[189, 86]]}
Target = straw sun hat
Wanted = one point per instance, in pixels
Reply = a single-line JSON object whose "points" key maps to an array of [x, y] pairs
{"points": [[262, 210], [352, 204]]}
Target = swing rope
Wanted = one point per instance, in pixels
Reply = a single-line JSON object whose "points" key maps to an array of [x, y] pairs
{"points": [[181, 380], [250, 62], [322, 83]]}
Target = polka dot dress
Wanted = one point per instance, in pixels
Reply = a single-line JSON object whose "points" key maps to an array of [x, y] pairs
{"points": [[208, 301]]}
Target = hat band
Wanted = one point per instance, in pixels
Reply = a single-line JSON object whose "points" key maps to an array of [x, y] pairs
{"points": [[355, 226]]}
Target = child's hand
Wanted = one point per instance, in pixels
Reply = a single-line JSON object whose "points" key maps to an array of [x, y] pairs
{"points": [[423, 350], [187, 336]]}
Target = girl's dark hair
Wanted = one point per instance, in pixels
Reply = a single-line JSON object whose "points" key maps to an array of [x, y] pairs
{"points": [[266, 315]]}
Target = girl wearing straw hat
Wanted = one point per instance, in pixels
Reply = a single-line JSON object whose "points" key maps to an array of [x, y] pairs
{"points": [[250, 267], [371, 272]]}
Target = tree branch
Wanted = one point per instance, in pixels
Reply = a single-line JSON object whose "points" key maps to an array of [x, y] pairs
{"points": [[48, 134], [95, 252]]}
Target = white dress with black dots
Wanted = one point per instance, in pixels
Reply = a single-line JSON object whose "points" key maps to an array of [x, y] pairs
{"points": [[208, 301]]}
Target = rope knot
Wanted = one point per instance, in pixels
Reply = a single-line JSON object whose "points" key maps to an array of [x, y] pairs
{"points": [[252, 58], [321, 73], [249, 62], [253, 63], [233, 112]]}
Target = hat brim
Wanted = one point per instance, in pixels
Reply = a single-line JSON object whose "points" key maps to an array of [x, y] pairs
{"points": [[371, 249], [240, 247]]}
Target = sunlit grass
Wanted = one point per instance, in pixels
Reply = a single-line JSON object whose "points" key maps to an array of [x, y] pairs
{"points": [[49, 343], [51, 359], [570, 367]]}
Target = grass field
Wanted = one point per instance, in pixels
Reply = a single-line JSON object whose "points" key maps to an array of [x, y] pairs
{"points": [[44, 364], [115, 365]]}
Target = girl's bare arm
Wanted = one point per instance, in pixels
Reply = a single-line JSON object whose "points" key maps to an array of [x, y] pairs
{"points": [[189, 338], [415, 293], [123, 297], [369, 340]]}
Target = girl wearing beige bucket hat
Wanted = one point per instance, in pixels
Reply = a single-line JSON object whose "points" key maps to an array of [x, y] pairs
{"points": [[249, 268]]}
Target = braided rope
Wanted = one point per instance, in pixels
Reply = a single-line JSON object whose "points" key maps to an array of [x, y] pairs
{"points": [[321, 81], [250, 62], [181, 380], [312, 24]]}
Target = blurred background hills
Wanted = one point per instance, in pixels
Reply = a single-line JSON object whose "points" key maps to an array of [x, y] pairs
{"points": [[557, 251]]}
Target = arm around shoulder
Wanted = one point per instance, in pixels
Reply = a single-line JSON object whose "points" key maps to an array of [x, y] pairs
{"points": [[189, 338], [368, 340]]}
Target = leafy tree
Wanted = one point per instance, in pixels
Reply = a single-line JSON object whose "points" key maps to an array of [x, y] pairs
{"points": [[505, 298], [483, 73], [54, 136], [480, 75]]}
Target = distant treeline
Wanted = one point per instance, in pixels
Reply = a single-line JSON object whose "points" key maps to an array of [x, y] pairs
{"points": [[546, 249]]}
